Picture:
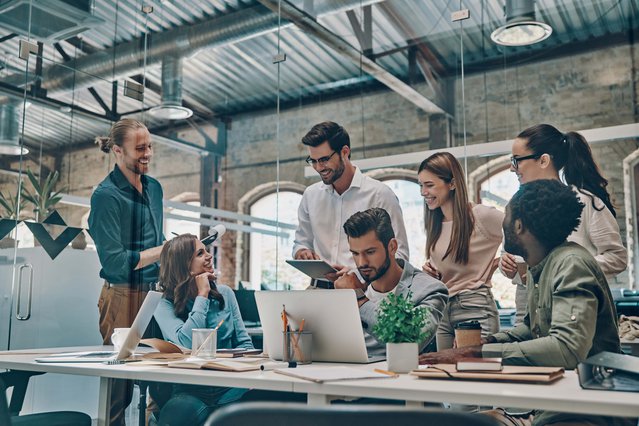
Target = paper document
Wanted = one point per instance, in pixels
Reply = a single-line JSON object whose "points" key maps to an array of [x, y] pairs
{"points": [[331, 374]]}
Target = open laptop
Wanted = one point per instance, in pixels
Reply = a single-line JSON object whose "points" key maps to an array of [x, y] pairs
{"points": [[140, 323], [332, 316]]}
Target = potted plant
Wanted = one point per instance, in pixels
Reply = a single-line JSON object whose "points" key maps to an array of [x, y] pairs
{"points": [[12, 208], [400, 325], [42, 196]]}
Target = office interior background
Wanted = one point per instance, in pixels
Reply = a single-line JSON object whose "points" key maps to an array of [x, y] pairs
{"points": [[229, 87]]}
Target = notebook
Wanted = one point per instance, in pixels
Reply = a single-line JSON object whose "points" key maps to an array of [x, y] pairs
{"points": [[136, 331], [509, 373], [236, 364]]}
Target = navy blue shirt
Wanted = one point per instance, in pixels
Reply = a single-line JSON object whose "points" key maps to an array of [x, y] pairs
{"points": [[123, 223]]}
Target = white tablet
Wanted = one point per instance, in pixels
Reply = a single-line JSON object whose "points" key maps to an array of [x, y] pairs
{"points": [[313, 268]]}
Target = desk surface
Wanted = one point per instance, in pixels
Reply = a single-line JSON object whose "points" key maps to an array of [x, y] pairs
{"points": [[564, 395]]}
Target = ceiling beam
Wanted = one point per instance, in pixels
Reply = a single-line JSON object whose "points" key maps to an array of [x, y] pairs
{"points": [[308, 24]]}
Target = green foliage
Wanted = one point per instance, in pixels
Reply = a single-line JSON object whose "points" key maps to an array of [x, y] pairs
{"points": [[43, 197], [399, 321], [10, 205]]}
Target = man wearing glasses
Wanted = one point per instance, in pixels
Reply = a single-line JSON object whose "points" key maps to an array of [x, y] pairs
{"points": [[344, 191]]}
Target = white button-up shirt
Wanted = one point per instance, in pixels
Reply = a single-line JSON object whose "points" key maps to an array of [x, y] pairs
{"points": [[323, 212]]}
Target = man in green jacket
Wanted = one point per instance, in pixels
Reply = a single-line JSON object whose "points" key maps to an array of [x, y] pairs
{"points": [[570, 314]]}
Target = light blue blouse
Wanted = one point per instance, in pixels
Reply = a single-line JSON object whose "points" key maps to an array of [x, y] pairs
{"points": [[205, 313]]}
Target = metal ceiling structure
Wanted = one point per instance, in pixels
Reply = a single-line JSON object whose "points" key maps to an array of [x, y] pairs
{"points": [[228, 48]]}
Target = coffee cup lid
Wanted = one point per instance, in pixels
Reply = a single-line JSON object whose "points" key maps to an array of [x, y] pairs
{"points": [[468, 325]]}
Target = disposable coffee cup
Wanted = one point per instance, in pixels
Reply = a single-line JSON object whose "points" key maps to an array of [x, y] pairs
{"points": [[468, 334], [117, 338], [522, 267], [201, 345]]}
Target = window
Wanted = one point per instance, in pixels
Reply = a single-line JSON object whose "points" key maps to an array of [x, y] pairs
{"points": [[267, 266], [412, 204], [496, 191]]}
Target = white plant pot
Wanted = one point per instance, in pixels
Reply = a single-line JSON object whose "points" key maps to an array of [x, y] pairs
{"points": [[402, 357]]}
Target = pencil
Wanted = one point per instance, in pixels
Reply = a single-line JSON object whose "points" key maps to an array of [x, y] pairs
{"points": [[388, 373]]}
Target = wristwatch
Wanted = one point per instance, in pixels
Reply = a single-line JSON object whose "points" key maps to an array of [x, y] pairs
{"points": [[360, 293]]}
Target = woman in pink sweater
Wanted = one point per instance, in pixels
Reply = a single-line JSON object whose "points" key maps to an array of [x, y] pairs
{"points": [[462, 240]]}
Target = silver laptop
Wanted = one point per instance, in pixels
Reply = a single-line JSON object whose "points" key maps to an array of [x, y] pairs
{"points": [[332, 316], [140, 323]]}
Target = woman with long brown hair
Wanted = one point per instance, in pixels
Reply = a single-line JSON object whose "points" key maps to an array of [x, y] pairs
{"points": [[462, 240], [191, 300]]}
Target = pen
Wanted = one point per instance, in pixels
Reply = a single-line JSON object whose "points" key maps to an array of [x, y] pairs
{"points": [[388, 373], [268, 366]]}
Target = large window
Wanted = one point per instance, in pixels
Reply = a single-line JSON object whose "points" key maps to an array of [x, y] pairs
{"points": [[496, 191], [268, 269], [412, 205]]}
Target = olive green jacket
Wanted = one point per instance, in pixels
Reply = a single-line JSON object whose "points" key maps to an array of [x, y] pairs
{"points": [[570, 316]]}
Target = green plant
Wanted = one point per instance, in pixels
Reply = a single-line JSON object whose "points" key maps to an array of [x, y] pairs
{"points": [[399, 321], [10, 205], [43, 197]]}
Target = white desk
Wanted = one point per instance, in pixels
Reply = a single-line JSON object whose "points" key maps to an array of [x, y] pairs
{"points": [[564, 395]]}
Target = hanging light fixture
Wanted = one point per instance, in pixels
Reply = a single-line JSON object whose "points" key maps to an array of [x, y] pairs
{"points": [[9, 140], [171, 107], [521, 28]]}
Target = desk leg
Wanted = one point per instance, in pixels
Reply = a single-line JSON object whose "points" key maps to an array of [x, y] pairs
{"points": [[104, 405], [316, 400]]}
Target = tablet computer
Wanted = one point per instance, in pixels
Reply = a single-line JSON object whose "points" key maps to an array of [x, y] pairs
{"points": [[313, 268]]}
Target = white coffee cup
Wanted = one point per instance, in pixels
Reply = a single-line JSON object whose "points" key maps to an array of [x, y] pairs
{"points": [[118, 337], [522, 267]]}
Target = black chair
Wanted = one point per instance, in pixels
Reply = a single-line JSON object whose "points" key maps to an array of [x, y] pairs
{"points": [[9, 414], [283, 414]]}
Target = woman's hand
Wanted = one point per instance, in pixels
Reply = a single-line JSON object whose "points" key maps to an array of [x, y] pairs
{"points": [[431, 270], [202, 283], [507, 265]]}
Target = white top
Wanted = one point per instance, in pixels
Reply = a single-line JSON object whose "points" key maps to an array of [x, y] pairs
{"points": [[322, 213], [598, 232], [376, 296]]}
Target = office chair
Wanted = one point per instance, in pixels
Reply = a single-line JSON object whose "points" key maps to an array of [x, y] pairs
{"points": [[9, 414], [290, 414]]}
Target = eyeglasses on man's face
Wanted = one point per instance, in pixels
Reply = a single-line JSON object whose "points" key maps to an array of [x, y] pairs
{"points": [[321, 161], [514, 161]]}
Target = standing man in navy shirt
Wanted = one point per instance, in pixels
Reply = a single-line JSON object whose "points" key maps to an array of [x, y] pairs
{"points": [[126, 224]]}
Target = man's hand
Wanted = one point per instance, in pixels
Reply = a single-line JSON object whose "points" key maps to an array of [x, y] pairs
{"points": [[350, 281], [450, 356], [431, 270], [341, 271], [202, 283], [508, 265], [306, 254]]}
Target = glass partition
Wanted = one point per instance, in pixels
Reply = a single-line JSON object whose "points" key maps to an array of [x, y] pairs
{"points": [[405, 79]]}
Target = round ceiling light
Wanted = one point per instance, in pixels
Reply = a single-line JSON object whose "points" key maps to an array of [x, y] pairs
{"points": [[521, 33], [170, 112], [12, 148]]}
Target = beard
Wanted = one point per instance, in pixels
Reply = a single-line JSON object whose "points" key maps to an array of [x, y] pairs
{"points": [[512, 244], [337, 173], [378, 272]]}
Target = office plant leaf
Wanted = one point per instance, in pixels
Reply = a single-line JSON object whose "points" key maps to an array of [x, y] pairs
{"points": [[42, 197], [399, 321]]}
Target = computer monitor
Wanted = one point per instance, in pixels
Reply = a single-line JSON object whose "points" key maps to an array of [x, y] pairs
{"points": [[248, 307]]}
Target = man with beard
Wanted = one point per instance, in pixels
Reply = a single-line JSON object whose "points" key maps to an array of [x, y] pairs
{"points": [[570, 314], [373, 246], [344, 190], [126, 224]]}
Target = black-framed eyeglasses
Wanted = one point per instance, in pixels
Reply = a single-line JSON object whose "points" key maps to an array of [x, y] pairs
{"points": [[514, 161], [321, 161]]}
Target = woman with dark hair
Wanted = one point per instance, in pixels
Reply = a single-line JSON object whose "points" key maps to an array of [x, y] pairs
{"points": [[543, 152], [462, 241], [193, 300]]}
